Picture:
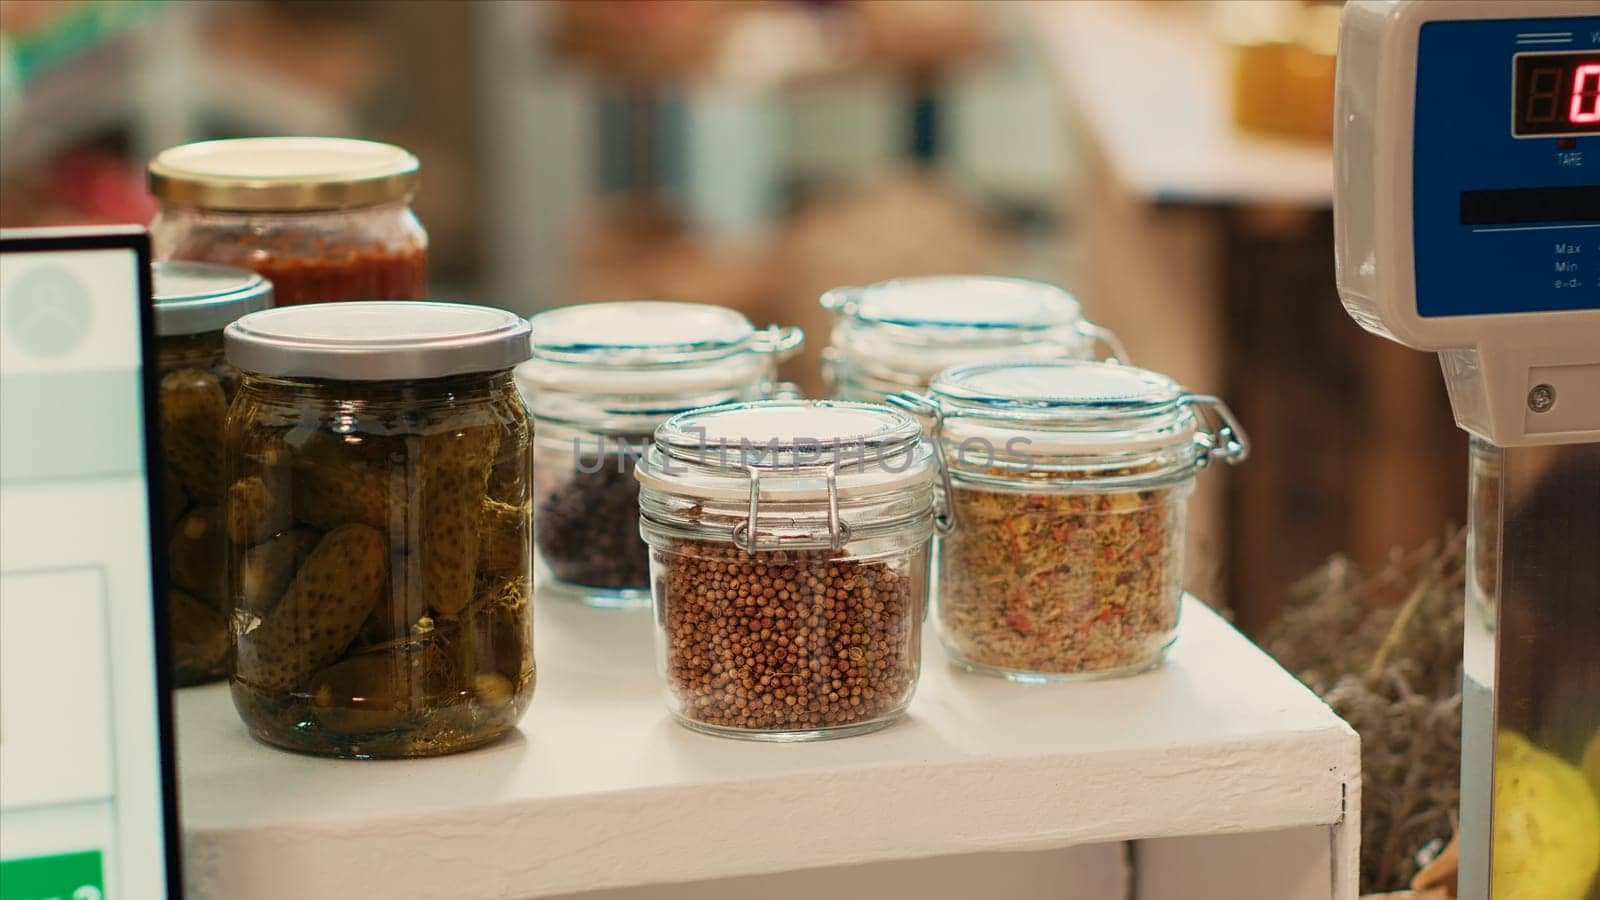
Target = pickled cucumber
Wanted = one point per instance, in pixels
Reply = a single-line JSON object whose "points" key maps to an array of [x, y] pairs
{"points": [[192, 410], [503, 537], [195, 555], [255, 510], [199, 638], [378, 690], [266, 569], [334, 591], [512, 475], [500, 629], [328, 491], [174, 499], [454, 475]]}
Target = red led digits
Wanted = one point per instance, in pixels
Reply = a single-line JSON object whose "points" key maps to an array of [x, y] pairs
{"points": [[1585, 107]]}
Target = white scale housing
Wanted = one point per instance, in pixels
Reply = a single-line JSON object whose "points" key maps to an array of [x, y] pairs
{"points": [[1467, 223]]}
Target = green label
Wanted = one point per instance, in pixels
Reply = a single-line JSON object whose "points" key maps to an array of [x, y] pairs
{"points": [[69, 876]]}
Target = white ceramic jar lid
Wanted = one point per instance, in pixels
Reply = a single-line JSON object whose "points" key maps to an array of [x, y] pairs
{"points": [[1072, 407], [794, 447], [915, 327], [959, 301], [377, 340], [648, 348], [197, 297]]}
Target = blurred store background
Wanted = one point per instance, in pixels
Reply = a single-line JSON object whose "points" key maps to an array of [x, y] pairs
{"points": [[1167, 161]]}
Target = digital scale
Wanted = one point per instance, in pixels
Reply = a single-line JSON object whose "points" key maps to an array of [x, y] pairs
{"points": [[1467, 223]]}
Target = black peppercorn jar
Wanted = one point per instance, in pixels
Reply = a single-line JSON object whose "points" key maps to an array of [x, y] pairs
{"points": [[789, 551], [896, 335], [602, 377], [1068, 483]]}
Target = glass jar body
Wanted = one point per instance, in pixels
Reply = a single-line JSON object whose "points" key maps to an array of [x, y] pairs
{"points": [[868, 364], [196, 386], [1058, 575], [792, 643], [586, 499], [380, 563], [586, 503], [367, 253]]}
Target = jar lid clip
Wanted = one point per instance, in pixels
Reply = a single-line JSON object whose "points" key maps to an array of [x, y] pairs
{"points": [[920, 405], [1115, 352], [1228, 442], [779, 343], [744, 533]]}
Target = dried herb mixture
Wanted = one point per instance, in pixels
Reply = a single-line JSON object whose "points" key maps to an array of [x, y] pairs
{"points": [[1057, 583]]}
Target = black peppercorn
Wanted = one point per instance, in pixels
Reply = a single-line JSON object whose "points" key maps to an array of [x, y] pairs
{"points": [[587, 527]]}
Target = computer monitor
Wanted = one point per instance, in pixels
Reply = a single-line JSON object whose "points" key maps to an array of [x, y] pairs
{"points": [[88, 803]]}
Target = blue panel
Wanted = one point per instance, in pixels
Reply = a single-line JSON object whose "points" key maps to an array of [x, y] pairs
{"points": [[1500, 224]]}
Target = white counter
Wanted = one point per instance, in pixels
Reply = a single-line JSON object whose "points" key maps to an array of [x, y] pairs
{"points": [[600, 789]]}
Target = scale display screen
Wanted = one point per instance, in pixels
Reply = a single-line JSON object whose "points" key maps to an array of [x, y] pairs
{"points": [[1556, 94]]}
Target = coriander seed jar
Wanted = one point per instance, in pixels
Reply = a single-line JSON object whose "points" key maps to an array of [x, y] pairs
{"points": [[193, 303], [1067, 486], [322, 218], [380, 537], [896, 335], [602, 377], [789, 545]]}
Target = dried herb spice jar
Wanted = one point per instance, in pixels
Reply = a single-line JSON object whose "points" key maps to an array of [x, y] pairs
{"points": [[896, 335], [322, 218], [789, 550], [1068, 483], [602, 377], [379, 527], [193, 303]]}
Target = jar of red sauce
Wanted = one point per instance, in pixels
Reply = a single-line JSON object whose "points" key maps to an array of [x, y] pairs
{"points": [[322, 218]]}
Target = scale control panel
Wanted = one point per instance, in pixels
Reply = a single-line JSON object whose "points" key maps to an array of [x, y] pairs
{"points": [[1506, 166]]}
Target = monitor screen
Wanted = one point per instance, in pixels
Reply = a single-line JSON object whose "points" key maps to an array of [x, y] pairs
{"points": [[87, 804]]}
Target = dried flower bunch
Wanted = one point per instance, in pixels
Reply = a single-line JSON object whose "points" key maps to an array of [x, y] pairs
{"points": [[788, 640], [1055, 582], [1385, 651]]}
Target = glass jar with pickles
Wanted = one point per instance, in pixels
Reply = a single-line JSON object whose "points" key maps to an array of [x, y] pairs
{"points": [[322, 218], [896, 335], [1068, 484], [602, 377], [193, 303], [379, 522]]}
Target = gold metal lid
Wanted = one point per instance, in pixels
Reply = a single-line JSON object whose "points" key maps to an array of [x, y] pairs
{"points": [[283, 174]]}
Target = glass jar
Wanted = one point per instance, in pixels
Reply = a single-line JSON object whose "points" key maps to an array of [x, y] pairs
{"points": [[193, 303], [1068, 483], [896, 335], [789, 554], [380, 569], [602, 377], [322, 218]]}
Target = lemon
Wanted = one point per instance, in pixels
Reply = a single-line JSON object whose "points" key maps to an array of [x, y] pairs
{"points": [[1547, 824]]}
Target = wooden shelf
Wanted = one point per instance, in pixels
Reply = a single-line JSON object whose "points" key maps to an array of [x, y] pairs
{"points": [[1152, 88], [600, 789]]}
